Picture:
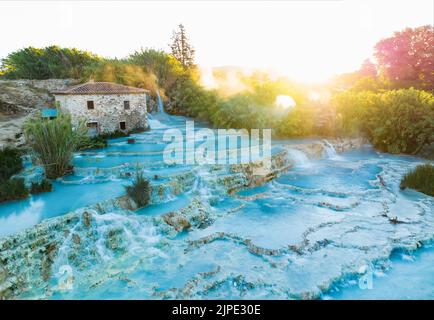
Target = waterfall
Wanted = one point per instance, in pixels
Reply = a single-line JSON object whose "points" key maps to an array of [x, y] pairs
{"points": [[154, 123], [330, 151], [299, 158], [160, 103]]}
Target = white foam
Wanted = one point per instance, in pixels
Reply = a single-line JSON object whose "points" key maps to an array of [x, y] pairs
{"points": [[299, 158]]}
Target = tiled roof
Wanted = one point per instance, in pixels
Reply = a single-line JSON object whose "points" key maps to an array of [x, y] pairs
{"points": [[100, 88]]}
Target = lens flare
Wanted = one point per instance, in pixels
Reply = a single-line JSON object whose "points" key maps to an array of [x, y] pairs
{"points": [[285, 102]]}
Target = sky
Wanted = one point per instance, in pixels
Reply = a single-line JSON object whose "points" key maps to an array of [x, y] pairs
{"points": [[305, 40]]}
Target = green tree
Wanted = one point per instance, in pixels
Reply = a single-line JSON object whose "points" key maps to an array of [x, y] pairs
{"points": [[189, 98], [166, 68], [181, 48], [45, 63], [121, 71]]}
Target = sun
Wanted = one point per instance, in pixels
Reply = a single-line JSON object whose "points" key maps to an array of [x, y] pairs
{"points": [[285, 102]]}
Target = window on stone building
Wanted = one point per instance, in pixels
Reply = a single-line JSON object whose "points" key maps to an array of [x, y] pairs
{"points": [[126, 104], [90, 105], [122, 125]]}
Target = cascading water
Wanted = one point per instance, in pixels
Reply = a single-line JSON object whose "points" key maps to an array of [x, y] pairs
{"points": [[154, 123], [160, 103], [330, 151], [299, 158], [292, 237]]}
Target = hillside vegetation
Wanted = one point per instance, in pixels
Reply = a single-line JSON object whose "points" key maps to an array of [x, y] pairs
{"points": [[389, 102]]}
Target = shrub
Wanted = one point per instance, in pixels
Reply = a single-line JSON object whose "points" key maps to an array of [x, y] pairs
{"points": [[10, 162], [140, 190], [420, 179], [54, 141], [299, 122], [397, 121], [13, 189], [97, 142], [46, 63], [138, 130], [100, 141], [114, 135], [43, 186], [242, 111]]}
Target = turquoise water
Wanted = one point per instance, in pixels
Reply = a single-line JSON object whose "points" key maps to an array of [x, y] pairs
{"points": [[408, 275], [313, 232], [16, 216]]}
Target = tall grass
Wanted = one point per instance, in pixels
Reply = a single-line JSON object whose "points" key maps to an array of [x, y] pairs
{"points": [[54, 141], [420, 179], [140, 190]]}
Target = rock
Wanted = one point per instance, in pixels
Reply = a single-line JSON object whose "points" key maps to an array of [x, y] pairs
{"points": [[177, 221], [114, 239], [76, 239], [87, 219], [3, 274], [394, 220], [47, 260], [257, 173], [21, 98]]}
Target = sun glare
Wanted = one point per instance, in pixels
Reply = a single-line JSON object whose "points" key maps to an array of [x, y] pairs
{"points": [[314, 96], [285, 102]]}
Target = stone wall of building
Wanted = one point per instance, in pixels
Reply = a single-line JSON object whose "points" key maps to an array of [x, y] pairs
{"points": [[108, 110]]}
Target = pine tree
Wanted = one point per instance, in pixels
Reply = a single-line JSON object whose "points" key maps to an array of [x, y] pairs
{"points": [[181, 49]]}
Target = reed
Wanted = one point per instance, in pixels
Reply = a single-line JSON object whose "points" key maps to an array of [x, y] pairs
{"points": [[139, 190], [421, 179], [54, 141]]}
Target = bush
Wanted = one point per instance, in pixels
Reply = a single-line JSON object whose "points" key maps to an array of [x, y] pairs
{"points": [[54, 141], [140, 190], [47, 63], [43, 186], [13, 189], [114, 134], [138, 130], [420, 179], [10, 162], [298, 122], [397, 121], [97, 142]]}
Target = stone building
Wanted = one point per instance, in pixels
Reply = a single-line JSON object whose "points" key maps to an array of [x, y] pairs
{"points": [[105, 106]]}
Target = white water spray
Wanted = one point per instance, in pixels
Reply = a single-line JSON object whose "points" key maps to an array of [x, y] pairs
{"points": [[154, 123], [330, 151], [299, 158], [160, 104]]}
